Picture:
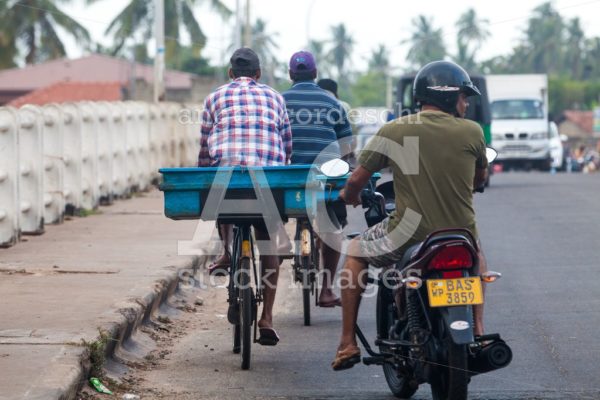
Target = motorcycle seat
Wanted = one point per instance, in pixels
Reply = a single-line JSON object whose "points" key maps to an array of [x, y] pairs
{"points": [[408, 255], [412, 251]]}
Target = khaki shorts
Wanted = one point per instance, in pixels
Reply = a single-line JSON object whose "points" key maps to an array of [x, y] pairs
{"points": [[377, 248]]}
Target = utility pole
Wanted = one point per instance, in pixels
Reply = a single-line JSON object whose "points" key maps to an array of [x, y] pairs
{"points": [[159, 58], [389, 88], [248, 27], [237, 34], [308, 14], [133, 76]]}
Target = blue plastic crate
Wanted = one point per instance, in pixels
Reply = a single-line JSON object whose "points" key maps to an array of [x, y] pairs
{"points": [[294, 188]]}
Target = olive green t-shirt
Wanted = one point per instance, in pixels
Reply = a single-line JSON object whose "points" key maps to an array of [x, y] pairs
{"points": [[434, 169]]}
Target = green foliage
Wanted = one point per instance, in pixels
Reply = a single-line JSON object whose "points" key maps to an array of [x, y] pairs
{"points": [[369, 90], [137, 18], [426, 42], [472, 34], [551, 45], [32, 25], [185, 59], [567, 94], [380, 59], [97, 353], [341, 50]]}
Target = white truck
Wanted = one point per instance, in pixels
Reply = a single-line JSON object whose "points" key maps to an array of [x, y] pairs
{"points": [[521, 132]]}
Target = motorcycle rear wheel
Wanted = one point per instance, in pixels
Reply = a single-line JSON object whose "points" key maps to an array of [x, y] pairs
{"points": [[452, 381], [386, 321]]}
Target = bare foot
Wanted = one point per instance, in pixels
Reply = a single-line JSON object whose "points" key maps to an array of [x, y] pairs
{"points": [[263, 323], [328, 299]]}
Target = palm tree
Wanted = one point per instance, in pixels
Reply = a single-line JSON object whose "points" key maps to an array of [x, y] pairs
{"points": [[341, 50], [471, 34], [426, 42], [592, 58], [31, 25], [138, 18], [574, 50], [8, 50], [380, 59], [544, 38], [264, 44], [317, 48]]}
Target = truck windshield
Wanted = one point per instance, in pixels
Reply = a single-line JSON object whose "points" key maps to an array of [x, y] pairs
{"points": [[517, 109]]}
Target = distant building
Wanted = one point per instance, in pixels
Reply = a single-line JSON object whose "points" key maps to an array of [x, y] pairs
{"points": [[577, 124], [97, 77], [63, 92]]}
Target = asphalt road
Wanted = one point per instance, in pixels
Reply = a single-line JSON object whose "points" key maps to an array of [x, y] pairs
{"points": [[541, 231]]}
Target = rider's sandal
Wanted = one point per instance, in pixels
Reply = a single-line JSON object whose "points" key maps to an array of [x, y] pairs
{"points": [[219, 267], [268, 337], [330, 304], [345, 359]]}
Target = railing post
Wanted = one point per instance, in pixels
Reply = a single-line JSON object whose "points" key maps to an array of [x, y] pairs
{"points": [[118, 134], [31, 174], [192, 117], [155, 156], [72, 137], [89, 157], [143, 132], [9, 162], [54, 199], [105, 159], [133, 159]]}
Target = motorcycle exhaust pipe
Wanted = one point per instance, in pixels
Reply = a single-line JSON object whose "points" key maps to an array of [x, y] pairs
{"points": [[493, 356]]}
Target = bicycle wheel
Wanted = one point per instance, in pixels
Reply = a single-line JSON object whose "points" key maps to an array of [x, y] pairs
{"points": [[306, 288], [233, 315], [246, 311], [237, 338]]}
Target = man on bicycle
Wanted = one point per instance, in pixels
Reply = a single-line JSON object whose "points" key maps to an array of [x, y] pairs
{"points": [[246, 123], [318, 122], [451, 163]]}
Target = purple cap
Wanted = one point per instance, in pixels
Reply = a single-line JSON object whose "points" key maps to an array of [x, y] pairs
{"points": [[303, 61]]}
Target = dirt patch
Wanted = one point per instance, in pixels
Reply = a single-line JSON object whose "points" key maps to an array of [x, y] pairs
{"points": [[166, 331]]}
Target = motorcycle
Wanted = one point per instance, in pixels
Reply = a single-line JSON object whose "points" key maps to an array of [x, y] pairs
{"points": [[424, 311]]}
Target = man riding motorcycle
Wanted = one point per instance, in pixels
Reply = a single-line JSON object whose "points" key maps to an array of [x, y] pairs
{"points": [[451, 163]]}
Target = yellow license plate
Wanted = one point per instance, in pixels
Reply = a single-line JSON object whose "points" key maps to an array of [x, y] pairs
{"points": [[455, 292]]}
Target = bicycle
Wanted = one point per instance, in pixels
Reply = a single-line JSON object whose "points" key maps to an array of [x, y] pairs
{"points": [[243, 297], [292, 188], [306, 264]]}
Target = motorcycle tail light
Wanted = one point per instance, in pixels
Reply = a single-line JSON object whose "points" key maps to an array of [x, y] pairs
{"points": [[490, 276], [452, 257], [412, 282], [453, 274]]}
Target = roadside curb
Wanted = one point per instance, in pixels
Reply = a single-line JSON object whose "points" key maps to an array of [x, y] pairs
{"points": [[133, 314]]}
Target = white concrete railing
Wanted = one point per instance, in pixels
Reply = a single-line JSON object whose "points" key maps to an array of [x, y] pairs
{"points": [[74, 156]]}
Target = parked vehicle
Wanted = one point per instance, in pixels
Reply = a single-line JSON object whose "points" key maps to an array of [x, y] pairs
{"points": [[521, 131]]}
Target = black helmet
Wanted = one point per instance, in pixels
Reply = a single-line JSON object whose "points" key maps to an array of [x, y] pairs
{"points": [[440, 82]]}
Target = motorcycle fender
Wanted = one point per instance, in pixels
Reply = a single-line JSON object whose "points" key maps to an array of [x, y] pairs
{"points": [[459, 322]]}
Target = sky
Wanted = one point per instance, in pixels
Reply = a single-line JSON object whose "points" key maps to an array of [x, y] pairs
{"points": [[371, 22]]}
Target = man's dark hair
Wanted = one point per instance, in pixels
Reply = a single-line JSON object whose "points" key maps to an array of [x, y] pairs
{"points": [[303, 76], [328, 84], [244, 72]]}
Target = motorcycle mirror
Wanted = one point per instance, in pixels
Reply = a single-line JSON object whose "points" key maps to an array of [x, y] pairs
{"points": [[490, 154], [335, 168]]}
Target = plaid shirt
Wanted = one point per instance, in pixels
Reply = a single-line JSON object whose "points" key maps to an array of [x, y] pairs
{"points": [[245, 123]]}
